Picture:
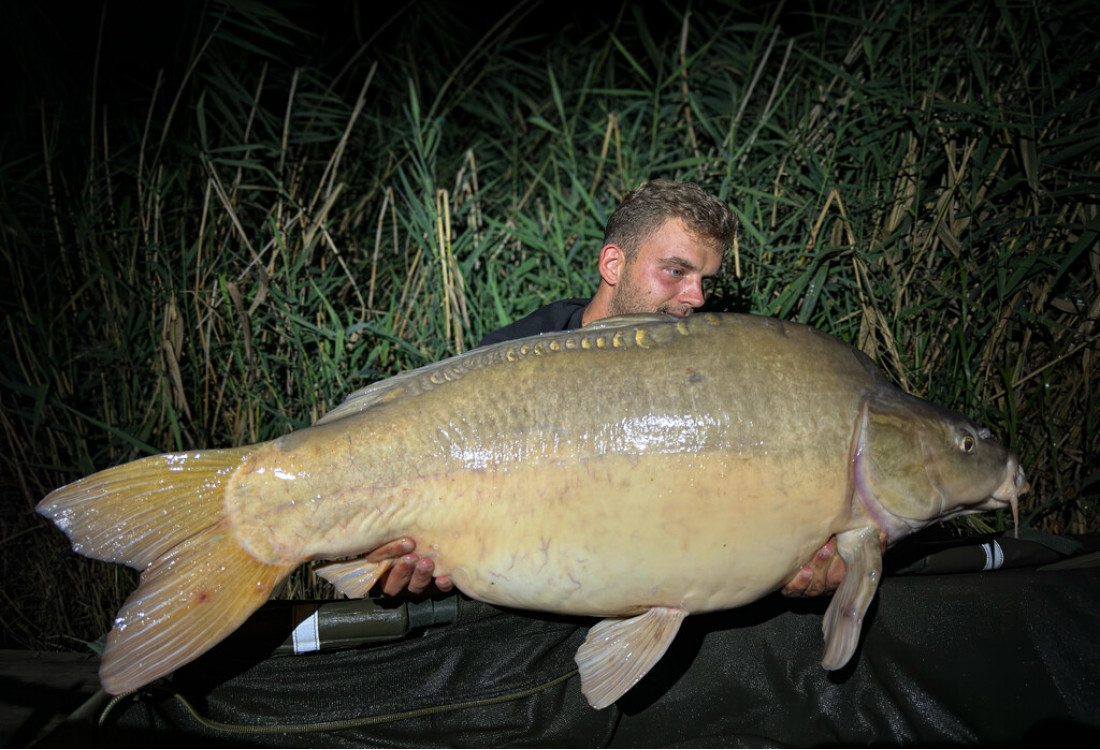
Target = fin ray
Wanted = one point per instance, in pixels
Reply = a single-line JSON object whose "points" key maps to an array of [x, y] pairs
{"points": [[135, 512], [862, 552], [353, 578], [165, 515], [620, 651], [189, 599]]}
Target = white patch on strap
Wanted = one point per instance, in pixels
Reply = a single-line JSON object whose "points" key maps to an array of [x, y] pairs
{"points": [[994, 556], [307, 637]]}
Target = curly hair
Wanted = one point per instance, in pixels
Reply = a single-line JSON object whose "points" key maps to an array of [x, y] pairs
{"points": [[645, 209]]}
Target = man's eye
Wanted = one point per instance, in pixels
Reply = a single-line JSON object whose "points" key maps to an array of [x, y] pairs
{"points": [[677, 272]]}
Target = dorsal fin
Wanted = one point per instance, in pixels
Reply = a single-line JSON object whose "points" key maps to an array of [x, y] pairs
{"points": [[364, 398], [421, 378], [457, 367]]}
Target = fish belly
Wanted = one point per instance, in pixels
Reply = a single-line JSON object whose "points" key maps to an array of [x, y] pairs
{"points": [[619, 535]]}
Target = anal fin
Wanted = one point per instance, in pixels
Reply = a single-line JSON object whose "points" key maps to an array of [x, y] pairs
{"points": [[620, 651], [353, 578], [861, 550]]}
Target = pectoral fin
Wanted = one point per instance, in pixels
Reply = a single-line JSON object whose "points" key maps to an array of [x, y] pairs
{"points": [[353, 578], [619, 651], [862, 552]]}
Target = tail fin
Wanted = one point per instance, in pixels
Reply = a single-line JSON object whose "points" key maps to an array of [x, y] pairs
{"points": [[164, 516]]}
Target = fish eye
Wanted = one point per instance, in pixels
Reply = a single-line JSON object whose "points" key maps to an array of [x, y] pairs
{"points": [[967, 443]]}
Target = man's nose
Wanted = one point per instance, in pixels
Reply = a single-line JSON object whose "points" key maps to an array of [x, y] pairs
{"points": [[692, 293]]}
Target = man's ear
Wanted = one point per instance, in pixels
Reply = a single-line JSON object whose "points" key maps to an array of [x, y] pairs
{"points": [[612, 263]]}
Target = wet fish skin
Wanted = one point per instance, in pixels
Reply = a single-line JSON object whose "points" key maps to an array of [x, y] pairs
{"points": [[641, 470]]}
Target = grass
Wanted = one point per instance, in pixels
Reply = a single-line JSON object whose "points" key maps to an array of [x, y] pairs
{"points": [[288, 215]]}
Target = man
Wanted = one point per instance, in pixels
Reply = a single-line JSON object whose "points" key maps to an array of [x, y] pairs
{"points": [[662, 244]]}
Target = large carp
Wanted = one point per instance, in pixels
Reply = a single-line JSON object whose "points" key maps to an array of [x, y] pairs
{"points": [[640, 469]]}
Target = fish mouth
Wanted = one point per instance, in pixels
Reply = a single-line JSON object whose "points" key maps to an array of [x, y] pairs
{"points": [[1008, 494]]}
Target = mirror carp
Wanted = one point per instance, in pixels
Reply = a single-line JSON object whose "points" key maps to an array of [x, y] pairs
{"points": [[639, 470]]}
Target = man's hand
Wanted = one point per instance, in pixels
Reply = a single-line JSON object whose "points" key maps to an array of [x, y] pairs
{"points": [[410, 573], [822, 576]]}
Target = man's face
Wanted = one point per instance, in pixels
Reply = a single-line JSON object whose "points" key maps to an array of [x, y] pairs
{"points": [[667, 273]]}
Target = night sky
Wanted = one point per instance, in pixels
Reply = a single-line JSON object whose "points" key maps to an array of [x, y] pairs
{"points": [[52, 44]]}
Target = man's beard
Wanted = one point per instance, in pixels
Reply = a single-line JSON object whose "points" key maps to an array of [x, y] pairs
{"points": [[627, 300]]}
